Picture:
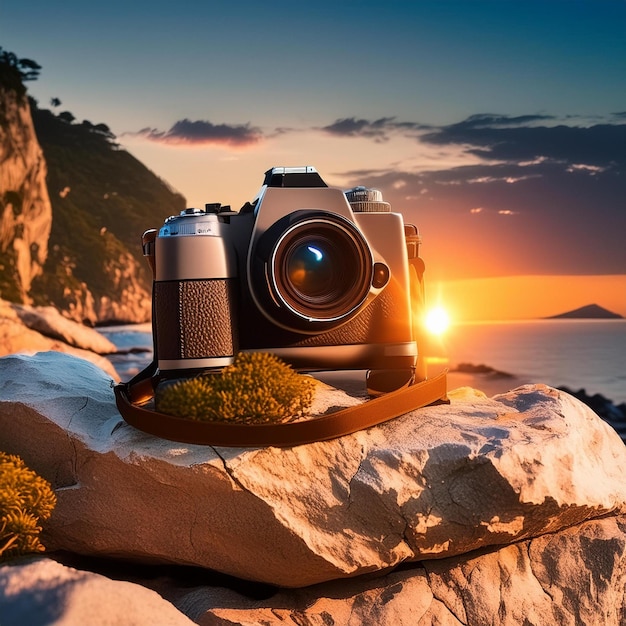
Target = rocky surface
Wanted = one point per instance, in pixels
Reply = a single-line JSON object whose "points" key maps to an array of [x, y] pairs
{"points": [[49, 322], [40, 591], [28, 330], [574, 577], [503, 511], [25, 208], [442, 481]]}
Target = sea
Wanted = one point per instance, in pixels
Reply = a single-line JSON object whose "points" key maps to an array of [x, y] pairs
{"points": [[578, 354]]}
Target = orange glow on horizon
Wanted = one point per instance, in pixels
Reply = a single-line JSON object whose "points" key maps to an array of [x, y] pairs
{"points": [[529, 297]]}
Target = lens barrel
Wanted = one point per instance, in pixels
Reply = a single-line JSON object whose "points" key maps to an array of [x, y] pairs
{"points": [[321, 268]]}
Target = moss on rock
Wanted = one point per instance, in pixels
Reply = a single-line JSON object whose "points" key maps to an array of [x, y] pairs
{"points": [[257, 388]]}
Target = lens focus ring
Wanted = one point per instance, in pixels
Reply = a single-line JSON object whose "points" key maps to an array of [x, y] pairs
{"points": [[321, 268]]}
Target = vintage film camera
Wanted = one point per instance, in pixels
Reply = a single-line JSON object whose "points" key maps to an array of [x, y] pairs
{"points": [[324, 279]]}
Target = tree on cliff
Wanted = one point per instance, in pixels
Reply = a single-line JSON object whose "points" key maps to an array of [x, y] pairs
{"points": [[15, 71]]}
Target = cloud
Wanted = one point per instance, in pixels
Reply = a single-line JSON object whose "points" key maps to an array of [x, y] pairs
{"points": [[199, 132], [491, 137], [379, 130], [519, 139], [493, 194], [540, 197]]}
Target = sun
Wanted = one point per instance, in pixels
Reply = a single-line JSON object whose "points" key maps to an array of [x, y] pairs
{"points": [[437, 321]]}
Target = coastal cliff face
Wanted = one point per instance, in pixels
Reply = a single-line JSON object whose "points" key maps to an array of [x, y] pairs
{"points": [[103, 199], [25, 208], [73, 207]]}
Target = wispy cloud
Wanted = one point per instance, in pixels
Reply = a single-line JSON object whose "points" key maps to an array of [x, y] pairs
{"points": [[531, 193], [492, 137], [202, 132], [379, 130]]}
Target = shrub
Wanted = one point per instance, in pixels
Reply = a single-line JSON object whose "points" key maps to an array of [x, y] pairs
{"points": [[257, 388], [25, 500]]}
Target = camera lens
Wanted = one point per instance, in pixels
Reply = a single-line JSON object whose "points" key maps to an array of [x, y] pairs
{"points": [[321, 268], [312, 270]]}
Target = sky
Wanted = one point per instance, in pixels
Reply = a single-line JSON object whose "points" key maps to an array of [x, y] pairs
{"points": [[498, 127]]}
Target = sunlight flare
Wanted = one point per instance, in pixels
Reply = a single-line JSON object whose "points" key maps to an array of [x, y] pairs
{"points": [[437, 321]]}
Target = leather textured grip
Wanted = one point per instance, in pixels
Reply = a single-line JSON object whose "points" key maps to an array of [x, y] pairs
{"points": [[194, 318]]}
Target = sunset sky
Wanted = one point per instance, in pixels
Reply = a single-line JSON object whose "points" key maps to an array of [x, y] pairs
{"points": [[498, 127]]}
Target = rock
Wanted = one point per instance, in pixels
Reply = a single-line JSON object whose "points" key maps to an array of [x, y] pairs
{"points": [[49, 322], [17, 337], [574, 577], [26, 215], [40, 591], [128, 300], [439, 482], [613, 414], [472, 368]]}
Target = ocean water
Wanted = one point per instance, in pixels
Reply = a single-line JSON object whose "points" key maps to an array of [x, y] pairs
{"points": [[589, 354]]}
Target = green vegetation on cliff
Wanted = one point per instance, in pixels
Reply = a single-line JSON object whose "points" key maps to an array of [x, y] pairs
{"points": [[15, 71], [103, 199]]}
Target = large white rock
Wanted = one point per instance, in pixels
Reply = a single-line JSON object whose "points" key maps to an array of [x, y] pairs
{"points": [[438, 482]]}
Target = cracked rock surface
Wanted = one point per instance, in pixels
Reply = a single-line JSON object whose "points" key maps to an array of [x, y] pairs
{"points": [[436, 483], [576, 576]]}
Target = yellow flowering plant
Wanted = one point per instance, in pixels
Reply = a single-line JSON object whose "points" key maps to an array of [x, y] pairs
{"points": [[26, 499]]}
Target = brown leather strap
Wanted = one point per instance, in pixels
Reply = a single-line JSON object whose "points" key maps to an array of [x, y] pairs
{"points": [[132, 398]]}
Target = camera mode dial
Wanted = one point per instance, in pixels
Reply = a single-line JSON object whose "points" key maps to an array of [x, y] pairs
{"points": [[366, 200]]}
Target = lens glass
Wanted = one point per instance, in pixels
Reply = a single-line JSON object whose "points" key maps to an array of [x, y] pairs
{"points": [[322, 269], [312, 270]]}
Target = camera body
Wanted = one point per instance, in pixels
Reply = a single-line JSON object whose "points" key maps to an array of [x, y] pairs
{"points": [[324, 279]]}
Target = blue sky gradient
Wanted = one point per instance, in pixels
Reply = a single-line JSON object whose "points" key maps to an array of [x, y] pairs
{"points": [[498, 126]]}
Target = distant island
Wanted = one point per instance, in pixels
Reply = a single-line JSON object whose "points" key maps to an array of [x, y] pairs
{"points": [[590, 311]]}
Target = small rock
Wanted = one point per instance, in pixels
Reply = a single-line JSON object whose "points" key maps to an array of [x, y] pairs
{"points": [[40, 591]]}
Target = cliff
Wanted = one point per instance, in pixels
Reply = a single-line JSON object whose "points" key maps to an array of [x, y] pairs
{"points": [[73, 207], [25, 209], [103, 199]]}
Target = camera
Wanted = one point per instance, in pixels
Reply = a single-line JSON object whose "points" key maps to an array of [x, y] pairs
{"points": [[323, 278]]}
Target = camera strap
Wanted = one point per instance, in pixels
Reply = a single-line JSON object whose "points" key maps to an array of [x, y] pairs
{"points": [[135, 403]]}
